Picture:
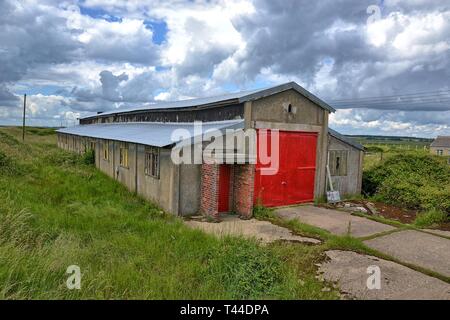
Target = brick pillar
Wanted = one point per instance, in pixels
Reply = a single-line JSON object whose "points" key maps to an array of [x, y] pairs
{"points": [[244, 185], [209, 204]]}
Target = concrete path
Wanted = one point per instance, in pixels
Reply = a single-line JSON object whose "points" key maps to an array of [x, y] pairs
{"points": [[349, 270], [438, 232], [337, 222], [418, 248], [264, 231]]}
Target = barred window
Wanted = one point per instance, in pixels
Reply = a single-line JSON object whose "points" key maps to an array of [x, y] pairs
{"points": [[338, 162], [105, 146], [123, 155], [152, 162]]}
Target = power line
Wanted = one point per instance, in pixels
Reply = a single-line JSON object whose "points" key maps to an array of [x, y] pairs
{"points": [[417, 99], [399, 96], [394, 103]]}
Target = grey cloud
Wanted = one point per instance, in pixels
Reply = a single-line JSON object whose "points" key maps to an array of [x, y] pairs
{"points": [[294, 38], [7, 99]]}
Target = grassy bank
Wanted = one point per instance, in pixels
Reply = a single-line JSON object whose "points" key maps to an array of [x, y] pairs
{"points": [[57, 211]]}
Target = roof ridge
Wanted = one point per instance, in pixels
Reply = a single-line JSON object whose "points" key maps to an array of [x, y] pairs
{"points": [[238, 97]]}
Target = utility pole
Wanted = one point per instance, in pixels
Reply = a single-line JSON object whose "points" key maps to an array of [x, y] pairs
{"points": [[24, 110]]}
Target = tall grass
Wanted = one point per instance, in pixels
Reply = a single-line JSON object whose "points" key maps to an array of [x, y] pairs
{"points": [[59, 211]]}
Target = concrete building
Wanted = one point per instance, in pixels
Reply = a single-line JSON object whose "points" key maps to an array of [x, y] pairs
{"points": [[134, 146], [441, 146]]}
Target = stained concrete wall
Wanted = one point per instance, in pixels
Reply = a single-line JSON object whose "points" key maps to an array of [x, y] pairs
{"points": [[351, 183], [291, 111], [190, 178], [177, 190]]}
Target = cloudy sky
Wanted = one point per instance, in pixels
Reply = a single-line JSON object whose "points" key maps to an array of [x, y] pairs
{"points": [[384, 64]]}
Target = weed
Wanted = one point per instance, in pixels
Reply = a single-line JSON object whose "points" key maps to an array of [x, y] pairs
{"points": [[430, 218]]}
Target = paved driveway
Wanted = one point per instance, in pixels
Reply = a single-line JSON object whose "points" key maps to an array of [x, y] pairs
{"points": [[349, 269], [336, 222], [418, 248]]}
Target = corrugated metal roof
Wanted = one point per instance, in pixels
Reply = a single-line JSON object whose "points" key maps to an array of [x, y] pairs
{"points": [[441, 142], [147, 133], [345, 139], [231, 98]]}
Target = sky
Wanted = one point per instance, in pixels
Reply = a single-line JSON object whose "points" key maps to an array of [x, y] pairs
{"points": [[76, 57]]}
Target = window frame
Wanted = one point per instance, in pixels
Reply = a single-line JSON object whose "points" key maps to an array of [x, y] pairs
{"points": [[338, 162], [105, 150], [440, 152], [152, 160], [123, 155]]}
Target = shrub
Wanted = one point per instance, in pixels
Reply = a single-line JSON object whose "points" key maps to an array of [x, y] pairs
{"points": [[429, 218], [64, 158], [415, 181], [89, 157]]}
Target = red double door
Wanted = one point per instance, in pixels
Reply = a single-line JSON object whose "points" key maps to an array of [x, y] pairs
{"points": [[294, 181]]}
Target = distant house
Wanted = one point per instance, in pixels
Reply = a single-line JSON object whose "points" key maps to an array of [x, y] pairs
{"points": [[441, 146]]}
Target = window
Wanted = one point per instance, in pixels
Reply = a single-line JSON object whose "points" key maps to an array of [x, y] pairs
{"points": [[105, 148], [92, 145], [152, 162], [123, 155], [338, 162], [440, 152]]}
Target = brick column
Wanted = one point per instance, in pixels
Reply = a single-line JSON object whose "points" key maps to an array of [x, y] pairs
{"points": [[244, 185], [209, 203]]}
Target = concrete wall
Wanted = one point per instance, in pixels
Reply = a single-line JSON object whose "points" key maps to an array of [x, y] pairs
{"points": [[446, 151], [351, 183], [190, 181], [163, 191], [290, 111], [176, 191]]}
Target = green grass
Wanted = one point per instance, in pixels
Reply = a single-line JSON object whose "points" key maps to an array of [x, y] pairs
{"points": [[56, 210], [430, 218]]}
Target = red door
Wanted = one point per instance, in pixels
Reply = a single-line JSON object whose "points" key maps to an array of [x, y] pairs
{"points": [[294, 182], [224, 188]]}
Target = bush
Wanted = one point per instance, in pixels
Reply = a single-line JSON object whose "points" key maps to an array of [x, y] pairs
{"points": [[429, 218], [89, 157], [414, 181], [63, 158]]}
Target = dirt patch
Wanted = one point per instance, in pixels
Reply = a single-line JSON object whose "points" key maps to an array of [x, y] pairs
{"points": [[380, 209], [263, 231], [444, 226]]}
